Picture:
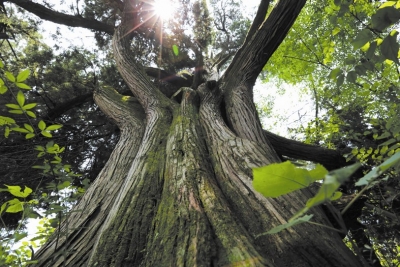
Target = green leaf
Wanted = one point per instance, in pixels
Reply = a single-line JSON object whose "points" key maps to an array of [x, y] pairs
{"points": [[344, 9], [360, 70], [175, 49], [7, 132], [10, 76], [29, 135], [1, 64], [20, 98], [54, 127], [39, 148], [281, 178], [3, 89], [335, 31], [14, 206], [362, 38], [23, 86], [340, 80], [13, 106], [390, 48], [28, 127], [15, 190], [334, 73], [23, 75], [42, 125], [328, 190], [351, 76], [31, 114], [14, 111], [388, 3], [390, 162], [279, 228], [29, 106], [64, 185], [3, 207], [6, 121], [20, 130], [371, 50], [318, 173], [384, 18], [343, 174], [350, 60], [46, 134], [56, 160], [369, 65]]}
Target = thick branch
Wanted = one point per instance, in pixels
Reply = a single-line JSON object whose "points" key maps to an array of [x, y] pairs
{"points": [[175, 80], [64, 107], [330, 159], [61, 18], [258, 20], [133, 74], [83, 226], [114, 104], [248, 63]]}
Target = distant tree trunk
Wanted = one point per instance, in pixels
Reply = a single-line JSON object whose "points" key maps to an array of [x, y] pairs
{"points": [[177, 190]]}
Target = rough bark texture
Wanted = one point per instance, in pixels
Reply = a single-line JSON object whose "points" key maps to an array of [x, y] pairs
{"points": [[177, 190]]}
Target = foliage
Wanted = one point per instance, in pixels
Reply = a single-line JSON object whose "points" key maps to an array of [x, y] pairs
{"points": [[284, 178], [278, 179], [346, 57], [24, 200], [62, 85]]}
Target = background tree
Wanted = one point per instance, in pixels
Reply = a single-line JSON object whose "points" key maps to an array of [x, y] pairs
{"points": [[352, 77]]}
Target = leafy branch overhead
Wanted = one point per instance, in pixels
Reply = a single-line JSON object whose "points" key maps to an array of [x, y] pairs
{"points": [[279, 179], [25, 201]]}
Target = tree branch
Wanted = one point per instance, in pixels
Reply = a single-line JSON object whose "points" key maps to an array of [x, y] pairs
{"points": [[64, 107], [176, 80], [330, 159], [61, 18], [134, 75], [251, 58], [258, 20]]}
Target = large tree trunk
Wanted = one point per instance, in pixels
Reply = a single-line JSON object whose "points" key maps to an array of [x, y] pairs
{"points": [[177, 190]]}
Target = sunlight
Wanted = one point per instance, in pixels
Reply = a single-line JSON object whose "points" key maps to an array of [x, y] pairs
{"points": [[164, 8]]}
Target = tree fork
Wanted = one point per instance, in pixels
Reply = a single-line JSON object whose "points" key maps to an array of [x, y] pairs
{"points": [[181, 185], [233, 158]]}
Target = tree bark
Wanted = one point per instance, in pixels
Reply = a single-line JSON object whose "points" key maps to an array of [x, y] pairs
{"points": [[177, 190]]}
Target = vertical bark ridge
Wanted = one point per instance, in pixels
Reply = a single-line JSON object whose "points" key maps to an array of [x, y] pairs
{"points": [[232, 159], [243, 118], [181, 234], [124, 234], [90, 213], [234, 186]]}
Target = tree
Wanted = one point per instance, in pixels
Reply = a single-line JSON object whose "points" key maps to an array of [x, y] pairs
{"points": [[177, 188], [352, 73]]}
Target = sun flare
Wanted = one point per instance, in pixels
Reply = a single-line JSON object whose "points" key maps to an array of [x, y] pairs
{"points": [[164, 8]]}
